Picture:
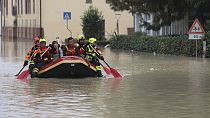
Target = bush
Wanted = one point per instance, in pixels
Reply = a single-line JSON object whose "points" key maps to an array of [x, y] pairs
{"points": [[174, 45], [93, 23]]}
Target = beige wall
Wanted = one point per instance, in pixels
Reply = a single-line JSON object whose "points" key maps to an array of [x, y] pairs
{"points": [[54, 25]]}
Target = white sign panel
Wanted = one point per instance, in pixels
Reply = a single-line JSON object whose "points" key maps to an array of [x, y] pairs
{"points": [[196, 36]]}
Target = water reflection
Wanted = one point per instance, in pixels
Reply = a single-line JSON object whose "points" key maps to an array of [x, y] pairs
{"points": [[13, 47]]}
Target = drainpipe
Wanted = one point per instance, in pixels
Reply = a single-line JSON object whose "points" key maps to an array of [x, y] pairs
{"points": [[1, 15], [40, 33]]}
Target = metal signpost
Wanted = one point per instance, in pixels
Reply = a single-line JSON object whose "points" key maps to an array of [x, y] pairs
{"points": [[67, 17], [196, 33]]}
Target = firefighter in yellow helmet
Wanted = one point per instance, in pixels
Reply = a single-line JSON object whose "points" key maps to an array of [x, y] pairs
{"points": [[93, 55], [41, 57], [81, 46]]}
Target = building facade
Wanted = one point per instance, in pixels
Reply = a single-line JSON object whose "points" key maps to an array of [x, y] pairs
{"points": [[29, 18], [179, 27]]}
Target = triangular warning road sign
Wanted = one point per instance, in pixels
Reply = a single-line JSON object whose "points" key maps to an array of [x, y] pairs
{"points": [[196, 28]]}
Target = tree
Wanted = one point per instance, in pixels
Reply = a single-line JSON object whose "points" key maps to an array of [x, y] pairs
{"points": [[164, 11], [93, 23]]}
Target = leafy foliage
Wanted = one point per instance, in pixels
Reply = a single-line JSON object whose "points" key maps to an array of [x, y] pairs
{"points": [[92, 23], [179, 45], [164, 11]]}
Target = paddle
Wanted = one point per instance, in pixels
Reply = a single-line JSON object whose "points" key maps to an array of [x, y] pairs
{"points": [[24, 74], [24, 66], [107, 70], [20, 70], [111, 70]]}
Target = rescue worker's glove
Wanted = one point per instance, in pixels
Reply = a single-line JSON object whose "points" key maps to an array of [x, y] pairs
{"points": [[25, 63]]}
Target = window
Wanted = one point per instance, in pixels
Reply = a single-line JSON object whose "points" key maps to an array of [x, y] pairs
{"points": [[26, 6], [26, 23], [29, 6], [34, 23], [21, 6], [6, 5], [18, 6], [34, 6], [30, 23]]}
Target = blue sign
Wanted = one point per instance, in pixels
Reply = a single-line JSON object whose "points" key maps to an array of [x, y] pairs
{"points": [[66, 15]]}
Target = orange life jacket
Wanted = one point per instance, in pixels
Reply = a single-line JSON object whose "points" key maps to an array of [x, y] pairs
{"points": [[46, 57], [70, 51]]}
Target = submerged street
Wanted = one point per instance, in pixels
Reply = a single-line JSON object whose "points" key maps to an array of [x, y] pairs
{"points": [[158, 86]]}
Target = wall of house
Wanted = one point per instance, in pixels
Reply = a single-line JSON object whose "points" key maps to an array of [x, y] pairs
{"points": [[53, 24]]}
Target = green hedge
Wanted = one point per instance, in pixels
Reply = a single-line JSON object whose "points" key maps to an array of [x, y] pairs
{"points": [[174, 45]]}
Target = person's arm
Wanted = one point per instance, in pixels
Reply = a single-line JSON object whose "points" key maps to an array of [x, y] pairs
{"points": [[99, 54]]}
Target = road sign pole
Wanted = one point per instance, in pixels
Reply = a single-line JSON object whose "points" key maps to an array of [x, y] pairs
{"points": [[67, 27], [196, 53], [67, 17]]}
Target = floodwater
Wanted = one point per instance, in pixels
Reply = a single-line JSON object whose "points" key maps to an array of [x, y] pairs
{"points": [[153, 86]]}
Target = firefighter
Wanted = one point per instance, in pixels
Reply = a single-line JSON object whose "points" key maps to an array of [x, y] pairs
{"points": [[93, 55]]}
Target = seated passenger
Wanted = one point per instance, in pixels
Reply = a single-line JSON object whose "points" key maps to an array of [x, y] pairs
{"points": [[55, 52], [70, 48]]}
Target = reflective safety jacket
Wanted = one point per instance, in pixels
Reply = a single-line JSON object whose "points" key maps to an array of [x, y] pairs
{"points": [[81, 51], [42, 55], [30, 53], [69, 51], [91, 54]]}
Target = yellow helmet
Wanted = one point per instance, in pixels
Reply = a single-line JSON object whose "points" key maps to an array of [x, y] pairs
{"points": [[92, 40], [80, 37], [42, 40]]}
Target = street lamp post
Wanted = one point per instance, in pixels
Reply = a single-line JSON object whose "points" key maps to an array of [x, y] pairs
{"points": [[117, 16]]}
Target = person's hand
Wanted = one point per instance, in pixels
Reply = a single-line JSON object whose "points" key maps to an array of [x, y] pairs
{"points": [[101, 57], [25, 63], [50, 45]]}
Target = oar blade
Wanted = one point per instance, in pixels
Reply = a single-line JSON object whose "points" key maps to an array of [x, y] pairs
{"points": [[107, 70], [23, 75], [116, 74]]}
